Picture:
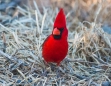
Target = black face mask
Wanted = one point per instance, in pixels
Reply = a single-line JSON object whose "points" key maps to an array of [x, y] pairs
{"points": [[58, 36]]}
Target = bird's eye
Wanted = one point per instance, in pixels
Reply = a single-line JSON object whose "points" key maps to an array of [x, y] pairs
{"points": [[61, 29]]}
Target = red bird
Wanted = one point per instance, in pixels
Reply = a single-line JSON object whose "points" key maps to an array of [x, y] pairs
{"points": [[55, 47]]}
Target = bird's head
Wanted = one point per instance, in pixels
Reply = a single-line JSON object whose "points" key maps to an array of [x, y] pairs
{"points": [[59, 28]]}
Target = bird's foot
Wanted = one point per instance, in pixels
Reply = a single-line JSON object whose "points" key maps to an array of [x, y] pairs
{"points": [[46, 71], [59, 72]]}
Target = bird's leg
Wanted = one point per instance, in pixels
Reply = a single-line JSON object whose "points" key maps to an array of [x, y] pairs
{"points": [[46, 63], [55, 69], [45, 69], [58, 64], [52, 67], [58, 72]]}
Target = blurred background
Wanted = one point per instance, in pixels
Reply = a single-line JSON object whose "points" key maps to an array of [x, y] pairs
{"points": [[80, 10]]}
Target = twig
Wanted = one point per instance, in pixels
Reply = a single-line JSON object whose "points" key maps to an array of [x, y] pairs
{"points": [[4, 43], [6, 55], [81, 61]]}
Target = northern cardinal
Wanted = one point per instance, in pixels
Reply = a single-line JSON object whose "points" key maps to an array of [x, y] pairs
{"points": [[55, 47]]}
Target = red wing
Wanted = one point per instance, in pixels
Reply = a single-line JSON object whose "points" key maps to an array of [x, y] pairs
{"points": [[45, 41]]}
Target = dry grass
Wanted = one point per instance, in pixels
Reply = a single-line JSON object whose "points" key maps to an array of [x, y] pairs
{"points": [[88, 62]]}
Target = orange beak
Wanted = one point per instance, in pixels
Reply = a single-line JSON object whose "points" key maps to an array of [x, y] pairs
{"points": [[56, 31]]}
